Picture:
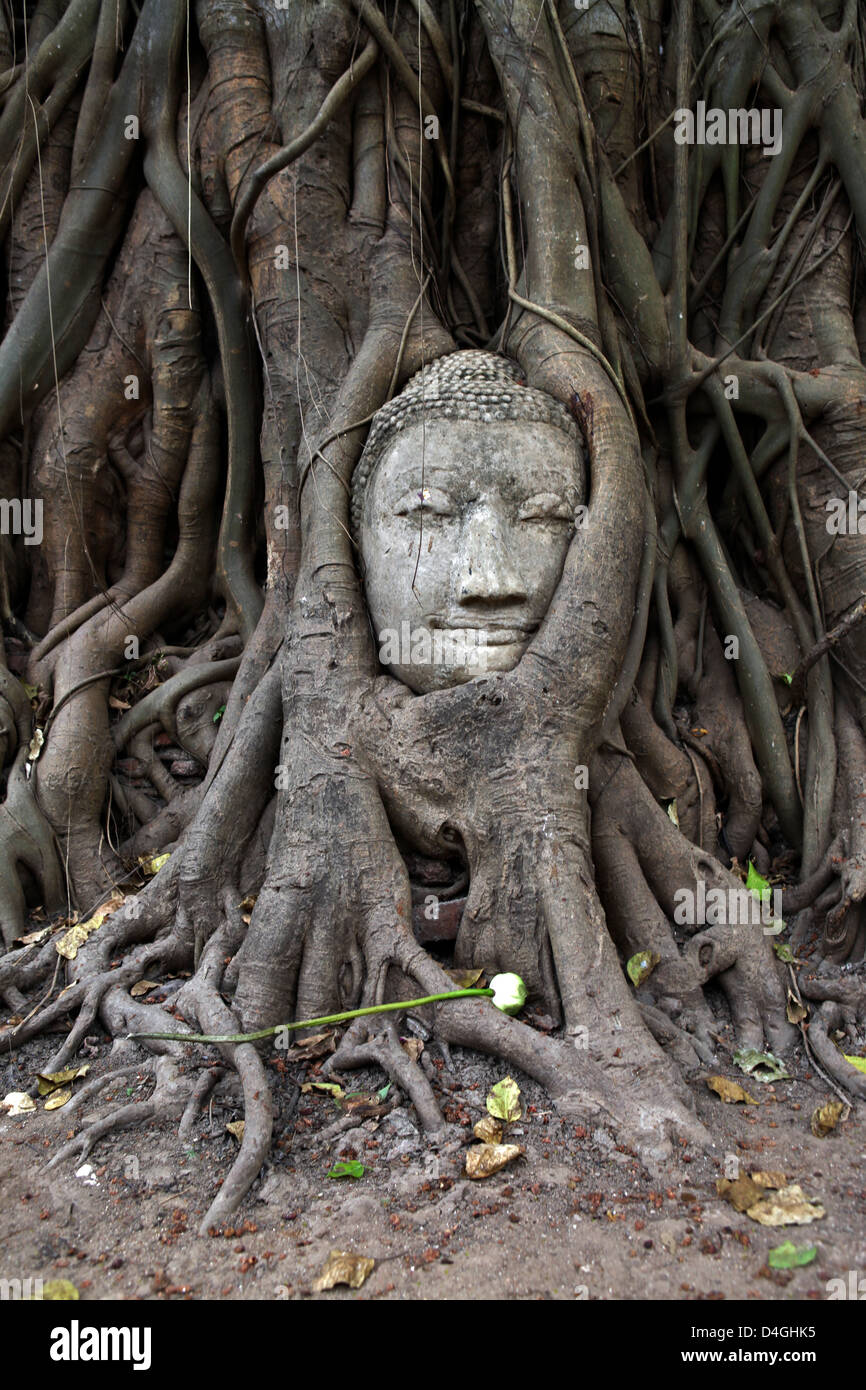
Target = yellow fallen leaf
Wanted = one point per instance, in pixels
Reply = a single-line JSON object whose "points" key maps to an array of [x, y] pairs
{"points": [[70, 942], [825, 1119], [483, 1160], [151, 864], [56, 1289], [858, 1062], [787, 1207], [18, 1103], [344, 1267], [488, 1130], [413, 1047], [741, 1192], [769, 1179], [730, 1091], [57, 1099], [143, 987], [52, 1080], [236, 1127], [329, 1087]]}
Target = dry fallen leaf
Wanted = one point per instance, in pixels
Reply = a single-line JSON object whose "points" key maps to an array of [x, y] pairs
{"points": [[344, 1267], [143, 987], [825, 1119], [69, 943], [370, 1106], [730, 1091], [488, 1130], [57, 1099], [52, 1080], [787, 1207], [413, 1047], [741, 1192], [465, 979], [316, 1045], [769, 1179], [18, 1103], [236, 1128], [483, 1160], [33, 937], [795, 1009]]}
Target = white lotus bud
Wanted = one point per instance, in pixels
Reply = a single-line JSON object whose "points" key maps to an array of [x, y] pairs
{"points": [[509, 993]]}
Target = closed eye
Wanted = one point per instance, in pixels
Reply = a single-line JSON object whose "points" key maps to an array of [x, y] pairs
{"points": [[429, 500], [545, 506]]}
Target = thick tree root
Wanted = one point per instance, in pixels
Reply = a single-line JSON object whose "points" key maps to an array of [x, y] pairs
{"points": [[823, 1022]]}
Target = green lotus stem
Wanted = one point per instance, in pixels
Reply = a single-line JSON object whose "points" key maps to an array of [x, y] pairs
{"points": [[315, 1022]]}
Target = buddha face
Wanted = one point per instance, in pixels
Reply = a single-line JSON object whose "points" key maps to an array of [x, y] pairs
{"points": [[464, 533]]}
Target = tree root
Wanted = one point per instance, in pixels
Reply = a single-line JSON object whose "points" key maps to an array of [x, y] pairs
{"points": [[829, 1017], [169, 1097], [377, 1040]]}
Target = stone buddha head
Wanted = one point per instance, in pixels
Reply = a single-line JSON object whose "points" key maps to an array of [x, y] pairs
{"points": [[464, 504]]}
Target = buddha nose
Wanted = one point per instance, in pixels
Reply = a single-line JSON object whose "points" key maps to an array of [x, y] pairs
{"points": [[485, 570]]}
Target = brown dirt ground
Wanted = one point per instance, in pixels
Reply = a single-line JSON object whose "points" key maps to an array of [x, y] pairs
{"points": [[574, 1218]]}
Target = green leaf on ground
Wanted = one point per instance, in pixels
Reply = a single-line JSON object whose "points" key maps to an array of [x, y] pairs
{"points": [[788, 1256], [503, 1100], [350, 1169], [756, 883]]}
